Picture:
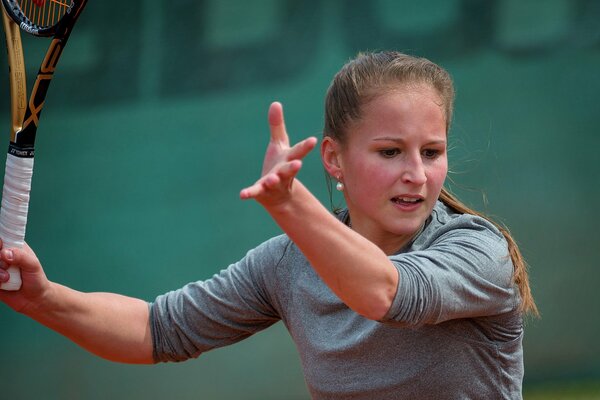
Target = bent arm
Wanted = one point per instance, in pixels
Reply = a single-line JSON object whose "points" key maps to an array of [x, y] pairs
{"points": [[354, 268]]}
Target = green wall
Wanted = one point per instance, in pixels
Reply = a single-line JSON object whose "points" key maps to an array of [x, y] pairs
{"points": [[157, 118]]}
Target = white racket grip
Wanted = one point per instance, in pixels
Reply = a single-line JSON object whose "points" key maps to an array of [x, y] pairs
{"points": [[13, 215]]}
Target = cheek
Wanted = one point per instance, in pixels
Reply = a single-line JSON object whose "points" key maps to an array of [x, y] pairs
{"points": [[371, 175], [437, 175], [366, 181]]}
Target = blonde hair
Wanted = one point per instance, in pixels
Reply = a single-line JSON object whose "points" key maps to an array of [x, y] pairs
{"points": [[371, 74]]}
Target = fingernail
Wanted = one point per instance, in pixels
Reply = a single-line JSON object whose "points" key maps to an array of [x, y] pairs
{"points": [[9, 255], [4, 276]]}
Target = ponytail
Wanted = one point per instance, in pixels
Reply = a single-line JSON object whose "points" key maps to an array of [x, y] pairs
{"points": [[520, 275]]}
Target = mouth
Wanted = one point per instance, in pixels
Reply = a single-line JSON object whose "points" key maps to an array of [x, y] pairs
{"points": [[406, 200]]}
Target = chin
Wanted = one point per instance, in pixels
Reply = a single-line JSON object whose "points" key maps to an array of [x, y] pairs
{"points": [[406, 229]]}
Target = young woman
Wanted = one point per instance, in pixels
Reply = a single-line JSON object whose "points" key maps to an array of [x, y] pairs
{"points": [[406, 293]]}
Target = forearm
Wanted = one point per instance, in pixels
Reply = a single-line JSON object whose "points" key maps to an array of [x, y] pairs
{"points": [[111, 326], [355, 269]]}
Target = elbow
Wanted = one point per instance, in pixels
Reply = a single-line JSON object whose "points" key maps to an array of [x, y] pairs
{"points": [[377, 302], [378, 305], [126, 356]]}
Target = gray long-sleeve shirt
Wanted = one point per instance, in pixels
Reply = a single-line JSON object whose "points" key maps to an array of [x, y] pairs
{"points": [[453, 332]]}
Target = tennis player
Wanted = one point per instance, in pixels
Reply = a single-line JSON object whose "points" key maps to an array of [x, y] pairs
{"points": [[404, 294]]}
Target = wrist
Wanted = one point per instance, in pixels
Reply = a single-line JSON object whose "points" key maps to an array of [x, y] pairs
{"points": [[45, 303]]}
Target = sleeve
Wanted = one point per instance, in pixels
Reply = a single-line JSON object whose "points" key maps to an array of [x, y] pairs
{"points": [[230, 306], [466, 272]]}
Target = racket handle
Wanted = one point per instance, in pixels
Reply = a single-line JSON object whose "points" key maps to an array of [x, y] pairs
{"points": [[13, 215]]}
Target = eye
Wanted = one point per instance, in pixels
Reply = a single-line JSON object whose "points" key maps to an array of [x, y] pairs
{"points": [[389, 153], [431, 153]]}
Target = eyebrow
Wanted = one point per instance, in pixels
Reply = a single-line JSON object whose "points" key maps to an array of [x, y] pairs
{"points": [[400, 140]]}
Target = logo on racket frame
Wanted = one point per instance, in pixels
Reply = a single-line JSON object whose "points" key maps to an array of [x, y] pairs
{"points": [[40, 87]]}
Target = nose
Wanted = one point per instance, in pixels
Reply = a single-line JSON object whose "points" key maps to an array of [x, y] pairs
{"points": [[413, 171]]}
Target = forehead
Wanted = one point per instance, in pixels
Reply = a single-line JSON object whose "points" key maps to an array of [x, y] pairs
{"points": [[408, 110], [406, 97]]}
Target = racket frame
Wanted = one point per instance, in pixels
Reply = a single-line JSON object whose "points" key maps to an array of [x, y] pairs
{"points": [[18, 80], [14, 11], [24, 120]]}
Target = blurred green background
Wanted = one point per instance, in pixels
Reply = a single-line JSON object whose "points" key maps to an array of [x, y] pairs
{"points": [[157, 118]]}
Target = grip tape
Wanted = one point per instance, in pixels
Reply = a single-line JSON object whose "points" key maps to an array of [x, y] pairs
{"points": [[15, 205]]}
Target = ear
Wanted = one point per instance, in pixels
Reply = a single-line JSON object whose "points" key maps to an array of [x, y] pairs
{"points": [[331, 157]]}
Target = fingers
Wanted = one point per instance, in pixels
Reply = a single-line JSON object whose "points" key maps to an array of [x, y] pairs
{"points": [[279, 134], [300, 150], [285, 173], [281, 163], [276, 181], [254, 191], [277, 124], [4, 275], [24, 258], [4, 265]]}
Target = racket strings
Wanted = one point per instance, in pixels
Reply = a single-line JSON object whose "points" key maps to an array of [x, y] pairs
{"points": [[44, 13]]}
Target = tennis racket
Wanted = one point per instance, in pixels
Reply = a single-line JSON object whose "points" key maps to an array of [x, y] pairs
{"points": [[47, 18]]}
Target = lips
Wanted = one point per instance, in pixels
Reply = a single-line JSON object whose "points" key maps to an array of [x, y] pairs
{"points": [[407, 200]]}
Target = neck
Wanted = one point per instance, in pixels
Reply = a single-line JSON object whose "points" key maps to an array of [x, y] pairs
{"points": [[388, 243]]}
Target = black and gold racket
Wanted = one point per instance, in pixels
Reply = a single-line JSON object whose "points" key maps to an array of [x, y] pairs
{"points": [[45, 18]]}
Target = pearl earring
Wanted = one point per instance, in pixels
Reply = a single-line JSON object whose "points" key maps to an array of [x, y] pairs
{"points": [[339, 186]]}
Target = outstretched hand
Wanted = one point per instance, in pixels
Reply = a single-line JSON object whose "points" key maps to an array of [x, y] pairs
{"points": [[281, 163]]}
